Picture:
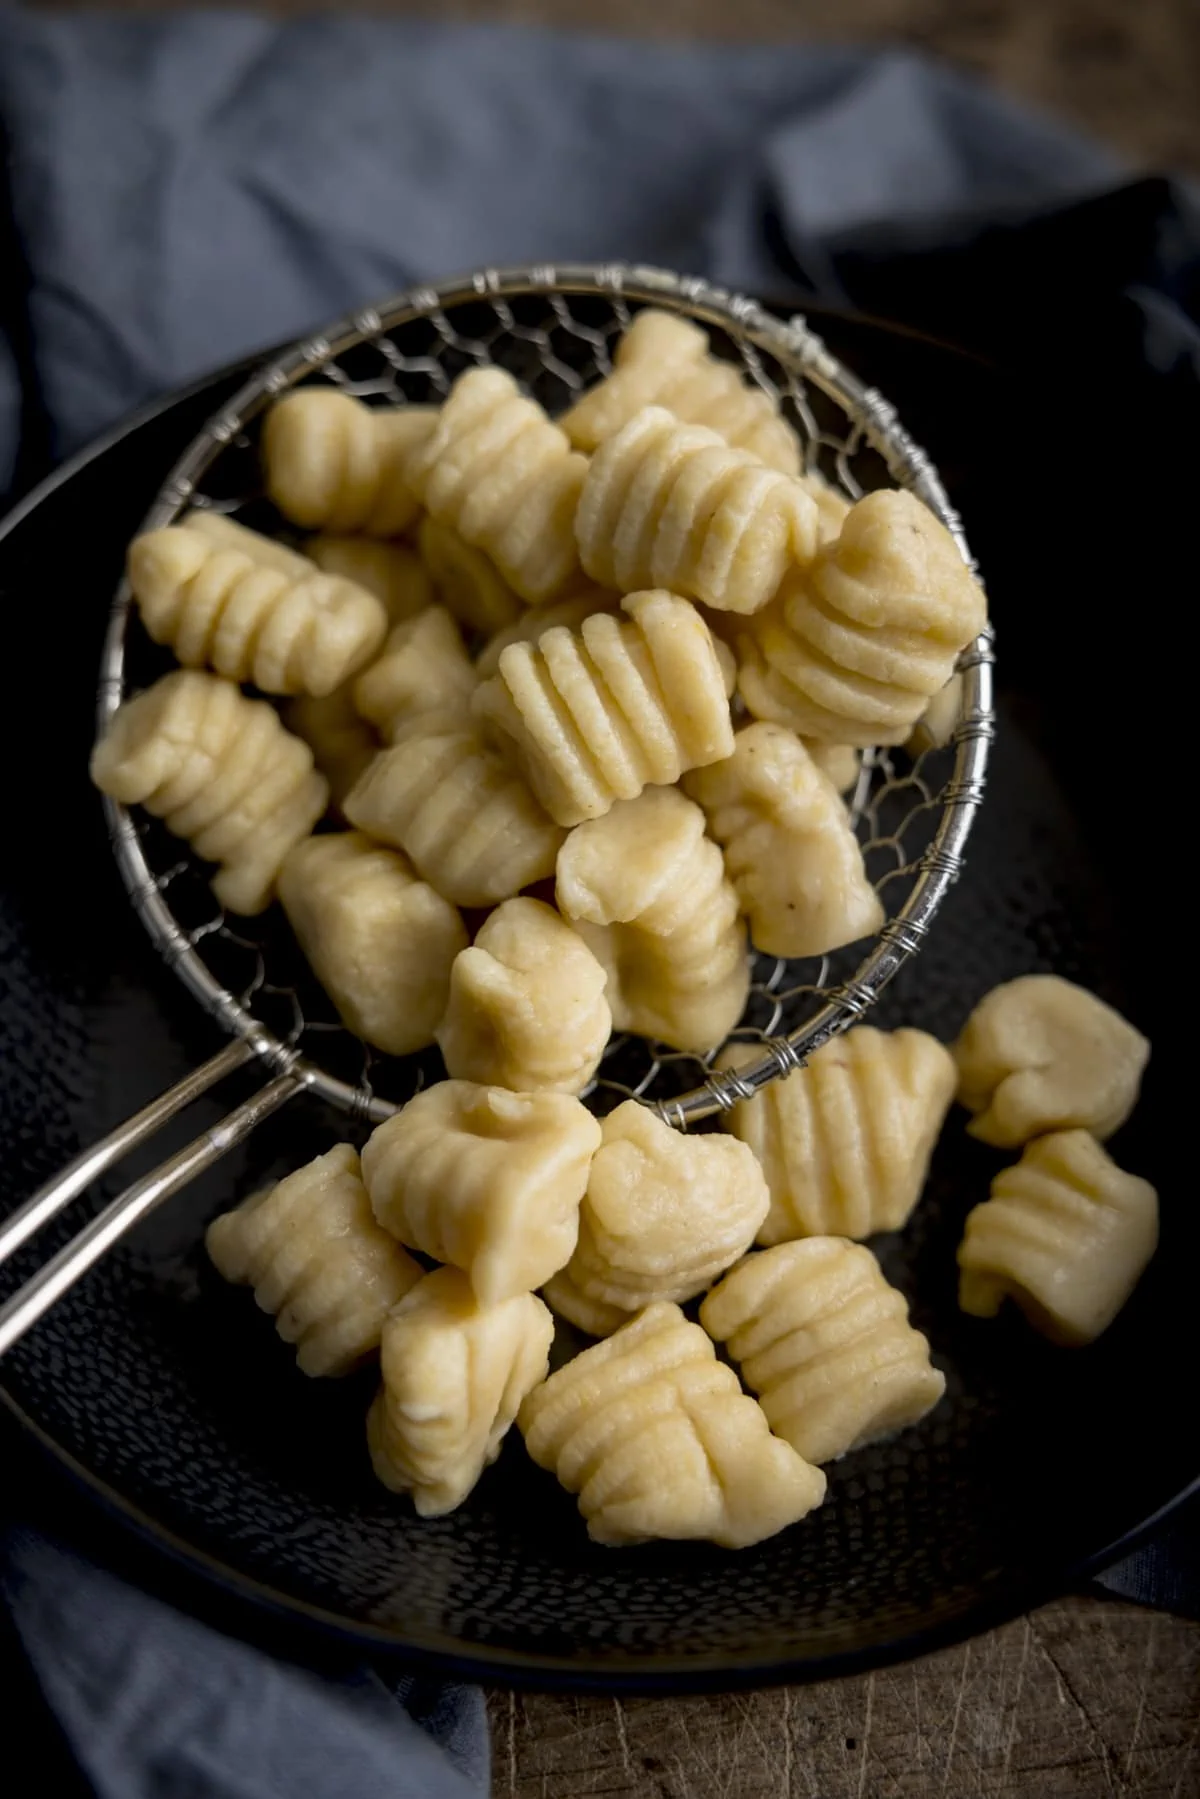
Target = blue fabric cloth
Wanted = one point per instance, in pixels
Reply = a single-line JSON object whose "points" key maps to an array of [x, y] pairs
{"points": [[188, 189]]}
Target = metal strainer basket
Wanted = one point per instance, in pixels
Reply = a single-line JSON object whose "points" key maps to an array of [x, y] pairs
{"points": [[554, 328]]}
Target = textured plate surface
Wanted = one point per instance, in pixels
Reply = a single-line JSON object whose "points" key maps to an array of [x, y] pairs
{"points": [[173, 1393]]}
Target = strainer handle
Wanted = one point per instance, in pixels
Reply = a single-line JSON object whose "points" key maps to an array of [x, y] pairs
{"points": [[41, 1291]]}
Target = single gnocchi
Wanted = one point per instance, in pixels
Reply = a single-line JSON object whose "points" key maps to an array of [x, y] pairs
{"points": [[825, 1343], [341, 741], [454, 1376], [671, 505], [648, 893], [593, 716], [657, 1439], [381, 942], [506, 479], [335, 464], [469, 825], [317, 1260], [247, 617], [1041, 1054], [221, 771], [535, 621], [424, 667], [391, 571], [790, 850], [664, 360], [845, 1141], [853, 649], [487, 1180], [526, 1007], [1065, 1233], [469, 584], [663, 1215]]}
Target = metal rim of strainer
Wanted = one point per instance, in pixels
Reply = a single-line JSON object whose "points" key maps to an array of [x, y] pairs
{"points": [[802, 354]]}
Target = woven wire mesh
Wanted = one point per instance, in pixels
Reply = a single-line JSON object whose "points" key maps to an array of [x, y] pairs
{"points": [[555, 331]]}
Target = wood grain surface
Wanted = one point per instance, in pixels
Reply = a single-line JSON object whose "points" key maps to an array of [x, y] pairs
{"points": [[1084, 1697]]}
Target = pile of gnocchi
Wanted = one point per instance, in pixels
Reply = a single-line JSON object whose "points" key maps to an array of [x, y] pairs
{"points": [[634, 653]]}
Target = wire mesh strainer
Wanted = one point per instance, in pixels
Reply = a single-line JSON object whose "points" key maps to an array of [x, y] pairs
{"points": [[554, 328]]}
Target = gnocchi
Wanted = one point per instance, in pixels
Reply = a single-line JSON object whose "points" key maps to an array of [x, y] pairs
{"points": [[335, 464]]}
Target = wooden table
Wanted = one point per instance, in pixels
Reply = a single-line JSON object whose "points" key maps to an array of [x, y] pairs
{"points": [[1086, 1696]]}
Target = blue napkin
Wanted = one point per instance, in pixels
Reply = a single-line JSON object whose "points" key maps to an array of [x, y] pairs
{"points": [[186, 189]]}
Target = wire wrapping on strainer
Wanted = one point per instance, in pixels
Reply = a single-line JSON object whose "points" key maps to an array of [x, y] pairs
{"points": [[555, 329]]}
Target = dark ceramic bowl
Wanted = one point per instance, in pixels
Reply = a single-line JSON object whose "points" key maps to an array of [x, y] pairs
{"points": [[169, 1395]]}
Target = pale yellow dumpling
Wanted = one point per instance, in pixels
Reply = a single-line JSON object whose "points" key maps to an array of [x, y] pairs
{"points": [[594, 715], [506, 480], [221, 771], [647, 891], [225, 533], [246, 616], [466, 821], [424, 667], [664, 360], [454, 1376], [526, 1008], [658, 1440], [825, 1343], [832, 505], [937, 724], [853, 649], [671, 505], [840, 761], [790, 850], [485, 1179], [380, 941], [1066, 1234], [468, 582], [341, 741], [663, 1215], [317, 1260], [845, 1141], [535, 621], [335, 464], [391, 571], [1041, 1054]]}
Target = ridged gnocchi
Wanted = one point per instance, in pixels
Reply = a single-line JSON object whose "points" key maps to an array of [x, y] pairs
{"points": [[790, 850], [1041, 1054], [671, 505], [342, 743], [658, 1440], [487, 1180], [381, 942], [335, 464], [246, 617], [506, 480], [570, 611], [468, 824], [424, 667], [663, 1215], [1065, 1233], [853, 649], [469, 584], [391, 571], [826, 1345], [221, 771], [593, 716], [664, 360], [526, 1007], [845, 1141], [317, 1260], [454, 1376], [647, 891]]}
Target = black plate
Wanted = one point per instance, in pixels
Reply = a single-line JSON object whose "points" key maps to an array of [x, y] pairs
{"points": [[170, 1393]]}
